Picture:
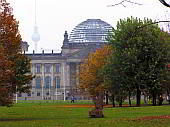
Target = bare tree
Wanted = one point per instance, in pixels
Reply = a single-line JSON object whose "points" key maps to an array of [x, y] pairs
{"points": [[123, 3]]}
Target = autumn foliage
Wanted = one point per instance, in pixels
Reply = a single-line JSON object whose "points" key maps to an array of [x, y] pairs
{"points": [[90, 79], [14, 66]]}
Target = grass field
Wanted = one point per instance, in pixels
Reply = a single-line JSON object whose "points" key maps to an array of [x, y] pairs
{"points": [[56, 115]]}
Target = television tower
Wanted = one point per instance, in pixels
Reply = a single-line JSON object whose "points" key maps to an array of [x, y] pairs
{"points": [[35, 35]]}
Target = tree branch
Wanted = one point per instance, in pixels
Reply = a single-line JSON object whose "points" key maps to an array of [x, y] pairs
{"points": [[140, 27], [156, 22], [122, 3], [164, 3]]}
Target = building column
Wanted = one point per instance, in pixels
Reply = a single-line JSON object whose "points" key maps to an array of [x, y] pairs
{"points": [[33, 81], [77, 73], [33, 73], [42, 83], [52, 81], [63, 79], [77, 77], [68, 76]]}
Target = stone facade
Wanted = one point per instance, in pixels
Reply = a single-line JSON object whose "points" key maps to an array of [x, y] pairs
{"points": [[56, 73]]}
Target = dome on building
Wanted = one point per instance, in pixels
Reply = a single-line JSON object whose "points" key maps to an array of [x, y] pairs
{"points": [[91, 30]]}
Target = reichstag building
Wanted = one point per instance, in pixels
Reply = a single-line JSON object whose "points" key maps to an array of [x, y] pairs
{"points": [[56, 73]]}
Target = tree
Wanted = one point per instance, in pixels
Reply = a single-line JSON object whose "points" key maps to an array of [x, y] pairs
{"points": [[90, 79], [141, 53], [14, 66], [5, 76], [165, 3], [123, 3], [116, 80]]}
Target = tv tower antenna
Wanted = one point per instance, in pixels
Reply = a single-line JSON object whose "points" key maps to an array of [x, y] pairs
{"points": [[35, 35]]}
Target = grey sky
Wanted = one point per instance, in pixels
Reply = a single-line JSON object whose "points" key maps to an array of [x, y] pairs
{"points": [[56, 16]]}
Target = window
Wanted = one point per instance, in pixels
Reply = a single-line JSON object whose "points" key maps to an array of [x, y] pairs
{"points": [[47, 82], [38, 94], [33, 86], [29, 94], [57, 82], [47, 68], [57, 68], [38, 68], [19, 95], [47, 94], [38, 82]]}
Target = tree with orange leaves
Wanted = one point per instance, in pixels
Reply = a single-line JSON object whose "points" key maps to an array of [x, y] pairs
{"points": [[90, 79], [14, 66]]}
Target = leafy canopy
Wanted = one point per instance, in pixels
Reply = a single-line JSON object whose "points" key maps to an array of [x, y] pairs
{"points": [[141, 53], [90, 79]]}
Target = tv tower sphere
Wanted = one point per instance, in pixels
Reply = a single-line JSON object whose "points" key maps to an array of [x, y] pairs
{"points": [[36, 35]]}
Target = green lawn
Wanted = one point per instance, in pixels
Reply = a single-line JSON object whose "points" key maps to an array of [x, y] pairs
{"points": [[52, 115]]}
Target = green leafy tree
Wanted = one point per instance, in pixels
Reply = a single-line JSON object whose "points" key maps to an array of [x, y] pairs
{"points": [[141, 53], [14, 66], [116, 79]]}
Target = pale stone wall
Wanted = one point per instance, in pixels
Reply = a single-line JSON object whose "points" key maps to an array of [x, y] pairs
{"points": [[53, 91]]}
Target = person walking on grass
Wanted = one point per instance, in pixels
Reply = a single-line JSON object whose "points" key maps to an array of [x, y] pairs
{"points": [[72, 99]]}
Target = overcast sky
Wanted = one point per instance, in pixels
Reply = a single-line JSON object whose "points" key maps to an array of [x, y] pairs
{"points": [[56, 16]]}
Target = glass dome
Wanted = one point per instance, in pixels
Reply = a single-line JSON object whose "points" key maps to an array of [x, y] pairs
{"points": [[91, 30]]}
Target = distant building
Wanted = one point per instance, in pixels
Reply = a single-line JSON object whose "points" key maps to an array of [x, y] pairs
{"points": [[56, 72], [24, 46]]}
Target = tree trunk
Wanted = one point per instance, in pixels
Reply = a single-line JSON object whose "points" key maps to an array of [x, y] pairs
{"points": [[113, 100], [138, 97], [120, 103], [154, 98], [168, 99], [107, 98], [130, 104], [167, 92], [145, 99]]}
